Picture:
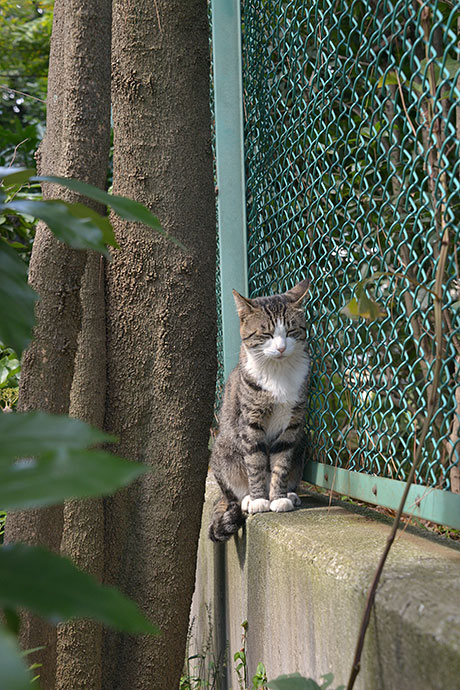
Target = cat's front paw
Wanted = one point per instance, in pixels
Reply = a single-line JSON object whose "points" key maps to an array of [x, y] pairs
{"points": [[245, 503], [281, 505], [257, 505], [295, 500]]}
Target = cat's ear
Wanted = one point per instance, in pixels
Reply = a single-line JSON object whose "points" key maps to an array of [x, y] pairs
{"points": [[244, 306], [298, 293]]}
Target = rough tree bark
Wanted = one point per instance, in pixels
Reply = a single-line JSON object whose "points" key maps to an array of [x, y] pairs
{"points": [[79, 643], [160, 327], [76, 145]]}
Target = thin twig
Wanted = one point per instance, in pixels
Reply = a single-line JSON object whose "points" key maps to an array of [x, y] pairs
{"points": [[414, 132], [431, 409], [16, 150], [8, 88]]}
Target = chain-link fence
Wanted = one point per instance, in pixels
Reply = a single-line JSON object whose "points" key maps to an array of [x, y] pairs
{"points": [[352, 132]]}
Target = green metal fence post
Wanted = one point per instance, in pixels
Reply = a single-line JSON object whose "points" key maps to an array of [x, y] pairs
{"points": [[231, 204]]}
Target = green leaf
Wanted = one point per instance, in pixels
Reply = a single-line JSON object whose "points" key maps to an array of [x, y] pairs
{"points": [[388, 79], [17, 300], [102, 222], [9, 367], [293, 681], [56, 465], [13, 673], [369, 309], [327, 680], [351, 309], [35, 433], [362, 305], [125, 208], [66, 222], [64, 474], [449, 70], [52, 587], [15, 176]]}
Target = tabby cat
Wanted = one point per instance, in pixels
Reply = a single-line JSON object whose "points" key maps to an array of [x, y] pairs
{"points": [[258, 455]]}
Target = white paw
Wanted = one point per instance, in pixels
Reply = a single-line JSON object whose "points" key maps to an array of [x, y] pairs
{"points": [[281, 505], [258, 505], [295, 500], [245, 503]]}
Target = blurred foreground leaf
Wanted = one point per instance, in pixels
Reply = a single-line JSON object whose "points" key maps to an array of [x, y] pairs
{"points": [[14, 675], [34, 433], [293, 681], [52, 587], [43, 461], [17, 300], [125, 208], [74, 224], [64, 474]]}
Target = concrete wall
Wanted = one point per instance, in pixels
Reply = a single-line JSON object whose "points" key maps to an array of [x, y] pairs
{"points": [[300, 580]]}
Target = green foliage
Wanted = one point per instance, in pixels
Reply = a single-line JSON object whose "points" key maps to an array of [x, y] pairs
{"points": [[259, 679], [125, 208], [74, 224], [58, 466], [203, 670], [53, 588], [44, 459], [17, 300], [25, 29], [19, 230], [294, 681], [13, 673], [10, 366], [240, 659], [204, 675], [361, 306]]}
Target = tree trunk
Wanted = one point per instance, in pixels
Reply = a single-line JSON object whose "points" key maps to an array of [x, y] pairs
{"points": [[79, 643], [76, 145], [161, 327]]}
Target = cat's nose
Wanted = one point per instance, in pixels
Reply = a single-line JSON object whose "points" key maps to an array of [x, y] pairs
{"points": [[281, 348]]}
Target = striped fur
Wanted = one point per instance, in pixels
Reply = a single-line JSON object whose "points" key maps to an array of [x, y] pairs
{"points": [[258, 455]]}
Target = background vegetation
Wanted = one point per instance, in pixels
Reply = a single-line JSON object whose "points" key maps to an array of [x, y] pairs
{"points": [[25, 30]]}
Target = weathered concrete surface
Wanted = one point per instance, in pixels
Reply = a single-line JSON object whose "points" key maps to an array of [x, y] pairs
{"points": [[300, 580]]}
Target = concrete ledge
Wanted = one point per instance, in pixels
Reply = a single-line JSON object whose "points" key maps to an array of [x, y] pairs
{"points": [[300, 580]]}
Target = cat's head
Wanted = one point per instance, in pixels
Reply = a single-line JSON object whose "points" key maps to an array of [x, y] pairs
{"points": [[273, 327]]}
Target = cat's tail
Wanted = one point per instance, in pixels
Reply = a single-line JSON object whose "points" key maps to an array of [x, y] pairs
{"points": [[227, 519]]}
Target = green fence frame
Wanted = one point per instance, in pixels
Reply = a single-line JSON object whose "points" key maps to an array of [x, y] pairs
{"points": [[229, 151]]}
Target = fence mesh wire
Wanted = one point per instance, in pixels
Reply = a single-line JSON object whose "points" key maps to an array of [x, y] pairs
{"points": [[220, 381], [352, 130]]}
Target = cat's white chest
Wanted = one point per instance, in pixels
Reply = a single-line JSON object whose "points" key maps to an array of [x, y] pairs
{"points": [[282, 378], [278, 420]]}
